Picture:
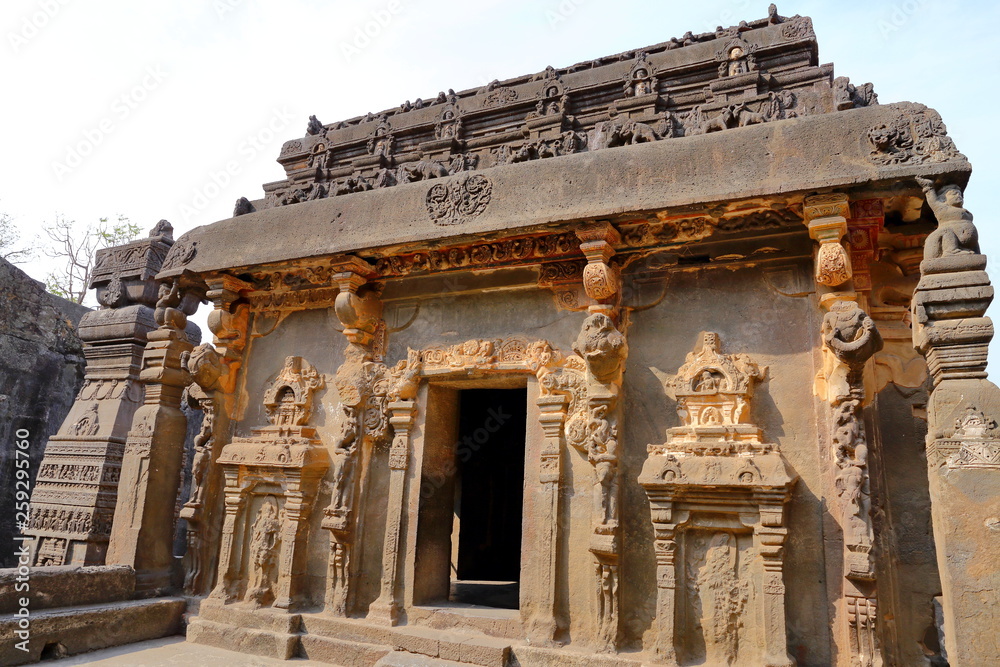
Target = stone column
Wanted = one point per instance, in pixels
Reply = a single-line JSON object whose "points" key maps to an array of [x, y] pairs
{"points": [[552, 415], [769, 540], [604, 350], [142, 533], [292, 566], [359, 310], [386, 608], [665, 548], [234, 504], [78, 480], [963, 440]]}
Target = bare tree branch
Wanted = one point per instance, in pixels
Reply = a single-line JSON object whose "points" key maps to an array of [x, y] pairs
{"points": [[77, 248], [9, 236]]}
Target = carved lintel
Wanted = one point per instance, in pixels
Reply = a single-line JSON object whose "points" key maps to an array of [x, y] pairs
{"points": [[601, 280]]}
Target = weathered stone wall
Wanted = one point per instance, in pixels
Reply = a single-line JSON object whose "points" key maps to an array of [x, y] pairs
{"points": [[41, 368], [776, 331]]}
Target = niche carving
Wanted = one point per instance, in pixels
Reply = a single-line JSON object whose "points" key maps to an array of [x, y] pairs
{"points": [[270, 485], [717, 492]]}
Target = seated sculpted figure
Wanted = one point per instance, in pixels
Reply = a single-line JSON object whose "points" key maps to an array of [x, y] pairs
{"points": [[955, 235]]}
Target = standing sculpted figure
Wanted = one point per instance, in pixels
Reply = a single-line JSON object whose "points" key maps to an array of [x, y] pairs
{"points": [[263, 554], [343, 457], [602, 451]]}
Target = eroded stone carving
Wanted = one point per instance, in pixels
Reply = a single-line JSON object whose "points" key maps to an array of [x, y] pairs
{"points": [[457, 201], [956, 234], [719, 562], [852, 338], [272, 476], [917, 135]]}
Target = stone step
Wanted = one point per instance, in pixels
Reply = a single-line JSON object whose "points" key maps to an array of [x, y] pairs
{"points": [[458, 646], [404, 659], [342, 652], [67, 631], [263, 642]]}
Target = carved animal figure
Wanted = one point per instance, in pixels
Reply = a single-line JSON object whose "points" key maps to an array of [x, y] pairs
{"points": [[956, 234], [723, 121], [423, 170], [745, 116]]}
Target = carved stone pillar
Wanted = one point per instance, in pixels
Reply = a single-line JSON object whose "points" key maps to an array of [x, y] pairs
{"points": [[142, 534], [214, 371], [850, 336], [552, 409], [826, 217], [233, 506], [963, 442], [386, 608], [292, 569], [359, 310], [665, 549], [603, 349], [769, 539], [78, 479]]}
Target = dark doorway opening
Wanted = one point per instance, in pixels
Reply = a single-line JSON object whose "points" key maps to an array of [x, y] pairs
{"points": [[489, 494]]}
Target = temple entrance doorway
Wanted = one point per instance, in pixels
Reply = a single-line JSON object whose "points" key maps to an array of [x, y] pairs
{"points": [[489, 486], [471, 500]]}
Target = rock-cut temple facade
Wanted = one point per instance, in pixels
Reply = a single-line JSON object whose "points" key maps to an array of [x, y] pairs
{"points": [[674, 357]]}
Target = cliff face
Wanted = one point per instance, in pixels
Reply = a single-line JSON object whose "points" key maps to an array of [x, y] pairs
{"points": [[41, 368]]}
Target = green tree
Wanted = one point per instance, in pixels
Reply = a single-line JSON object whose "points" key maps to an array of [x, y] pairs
{"points": [[9, 237], [76, 249]]}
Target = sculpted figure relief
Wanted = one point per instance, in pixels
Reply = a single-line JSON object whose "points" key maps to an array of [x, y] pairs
{"points": [[343, 458], [89, 423], [602, 346], [956, 234], [602, 452], [167, 314], [263, 553]]}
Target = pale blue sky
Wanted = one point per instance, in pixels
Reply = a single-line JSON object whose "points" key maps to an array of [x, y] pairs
{"points": [[161, 96]]}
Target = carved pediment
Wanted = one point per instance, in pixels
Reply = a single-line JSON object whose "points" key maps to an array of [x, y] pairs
{"points": [[713, 393], [288, 401]]}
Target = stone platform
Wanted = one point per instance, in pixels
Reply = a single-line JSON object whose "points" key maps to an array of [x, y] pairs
{"points": [[484, 638]]}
